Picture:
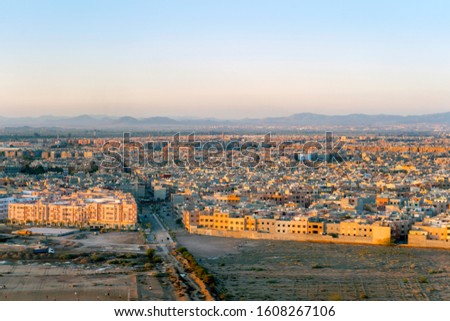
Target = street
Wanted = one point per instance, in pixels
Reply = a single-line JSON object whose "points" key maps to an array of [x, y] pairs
{"points": [[159, 237]]}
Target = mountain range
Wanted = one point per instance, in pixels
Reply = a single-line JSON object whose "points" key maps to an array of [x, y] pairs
{"points": [[296, 120]]}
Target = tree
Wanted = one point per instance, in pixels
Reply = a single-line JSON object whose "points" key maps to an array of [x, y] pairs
{"points": [[151, 254]]}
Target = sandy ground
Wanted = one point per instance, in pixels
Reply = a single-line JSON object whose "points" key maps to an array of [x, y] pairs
{"points": [[211, 247], [46, 282], [27, 276], [277, 270], [128, 242]]}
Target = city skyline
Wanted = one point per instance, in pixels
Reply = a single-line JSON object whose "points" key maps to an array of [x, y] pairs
{"points": [[224, 60]]}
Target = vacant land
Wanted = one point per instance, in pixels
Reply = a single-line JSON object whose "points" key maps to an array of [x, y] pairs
{"points": [[277, 270], [85, 266], [51, 282], [126, 242]]}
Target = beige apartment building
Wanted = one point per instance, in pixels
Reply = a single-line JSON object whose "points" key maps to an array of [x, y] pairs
{"points": [[357, 229], [95, 209], [226, 222], [301, 228], [431, 235]]}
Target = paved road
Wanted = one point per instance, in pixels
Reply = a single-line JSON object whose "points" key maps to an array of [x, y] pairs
{"points": [[160, 237]]}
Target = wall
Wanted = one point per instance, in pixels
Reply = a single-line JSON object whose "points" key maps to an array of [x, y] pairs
{"points": [[422, 241], [294, 237]]}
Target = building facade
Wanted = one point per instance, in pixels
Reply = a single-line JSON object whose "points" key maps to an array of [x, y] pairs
{"points": [[95, 209]]}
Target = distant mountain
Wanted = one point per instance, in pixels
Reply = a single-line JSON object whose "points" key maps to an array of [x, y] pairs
{"points": [[309, 119], [128, 121], [300, 120], [159, 121]]}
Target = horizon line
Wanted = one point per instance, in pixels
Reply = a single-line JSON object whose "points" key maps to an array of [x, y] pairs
{"points": [[220, 118]]}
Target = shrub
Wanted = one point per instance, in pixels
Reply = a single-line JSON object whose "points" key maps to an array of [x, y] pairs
{"points": [[67, 256], [197, 269], [152, 257], [97, 257], [181, 249]]}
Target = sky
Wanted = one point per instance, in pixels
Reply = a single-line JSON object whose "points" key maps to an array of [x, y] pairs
{"points": [[224, 59]]}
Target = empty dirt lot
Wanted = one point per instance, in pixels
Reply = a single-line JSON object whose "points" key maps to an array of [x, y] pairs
{"points": [[85, 266], [277, 270]]}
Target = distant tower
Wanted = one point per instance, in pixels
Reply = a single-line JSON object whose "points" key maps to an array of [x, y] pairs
{"points": [[95, 133]]}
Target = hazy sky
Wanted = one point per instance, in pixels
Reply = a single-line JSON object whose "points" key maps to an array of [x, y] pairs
{"points": [[229, 58]]}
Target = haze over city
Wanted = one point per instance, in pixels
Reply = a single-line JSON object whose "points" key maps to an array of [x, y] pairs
{"points": [[229, 59]]}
